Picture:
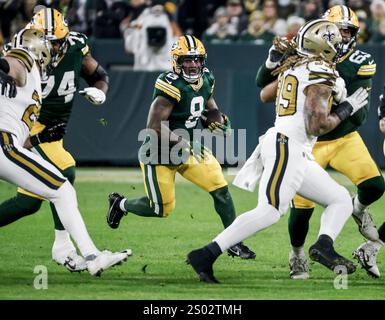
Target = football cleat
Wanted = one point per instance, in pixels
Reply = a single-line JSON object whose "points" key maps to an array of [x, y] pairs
{"points": [[241, 251], [299, 269], [200, 260], [366, 255], [366, 225], [106, 259], [327, 256], [114, 213], [67, 256]]}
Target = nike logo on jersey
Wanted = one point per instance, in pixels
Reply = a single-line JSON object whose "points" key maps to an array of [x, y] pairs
{"points": [[371, 62]]}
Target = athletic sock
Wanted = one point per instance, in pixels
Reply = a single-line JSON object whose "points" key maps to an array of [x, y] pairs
{"points": [[224, 205], [139, 206], [298, 225]]}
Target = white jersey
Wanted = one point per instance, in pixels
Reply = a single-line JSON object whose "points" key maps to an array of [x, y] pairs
{"points": [[18, 115], [290, 102]]}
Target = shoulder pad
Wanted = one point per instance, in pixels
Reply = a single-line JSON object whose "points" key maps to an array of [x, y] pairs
{"points": [[320, 66], [23, 56], [167, 84]]}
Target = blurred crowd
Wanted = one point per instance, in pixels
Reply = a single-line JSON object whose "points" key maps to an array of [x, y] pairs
{"points": [[147, 25]]}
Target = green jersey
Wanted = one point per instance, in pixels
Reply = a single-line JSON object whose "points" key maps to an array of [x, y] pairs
{"points": [[357, 69], [62, 82], [189, 99]]}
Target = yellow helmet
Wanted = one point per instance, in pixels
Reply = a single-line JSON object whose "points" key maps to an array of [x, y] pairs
{"points": [[319, 38], [188, 47], [344, 18], [52, 23], [36, 44]]}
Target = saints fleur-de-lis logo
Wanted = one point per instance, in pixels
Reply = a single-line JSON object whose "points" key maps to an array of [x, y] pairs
{"points": [[328, 36]]}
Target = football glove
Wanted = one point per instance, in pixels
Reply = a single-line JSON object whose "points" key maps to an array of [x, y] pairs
{"points": [[225, 128], [352, 104], [49, 134], [381, 107], [8, 85], [93, 95], [274, 57]]}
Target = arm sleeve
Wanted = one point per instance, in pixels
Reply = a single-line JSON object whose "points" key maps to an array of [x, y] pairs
{"points": [[264, 76]]}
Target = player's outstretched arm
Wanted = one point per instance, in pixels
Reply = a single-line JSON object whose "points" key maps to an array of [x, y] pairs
{"points": [[269, 93]]}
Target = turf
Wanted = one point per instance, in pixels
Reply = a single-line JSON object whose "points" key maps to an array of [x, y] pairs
{"points": [[157, 270]]}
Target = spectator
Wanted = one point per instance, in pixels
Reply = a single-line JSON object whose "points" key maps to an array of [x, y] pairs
{"points": [[221, 30], [294, 23], [364, 34], [256, 32], [286, 8], [108, 16], [9, 9], [379, 35], [237, 16], [377, 9], [150, 39], [273, 23], [251, 6], [192, 17], [135, 9], [310, 9]]}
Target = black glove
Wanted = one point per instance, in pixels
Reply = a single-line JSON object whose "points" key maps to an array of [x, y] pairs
{"points": [[8, 85], [49, 134], [381, 107]]}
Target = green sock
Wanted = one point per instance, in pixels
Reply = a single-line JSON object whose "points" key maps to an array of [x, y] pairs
{"points": [[371, 190], [69, 173], [141, 207], [18, 207], [299, 225], [224, 205]]}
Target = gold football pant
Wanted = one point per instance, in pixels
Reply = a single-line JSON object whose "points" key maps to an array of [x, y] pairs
{"points": [[347, 155], [54, 152], [159, 180]]}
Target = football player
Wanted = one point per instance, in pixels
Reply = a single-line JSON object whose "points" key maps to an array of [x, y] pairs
{"points": [[366, 253], [305, 88], [71, 60], [179, 97], [343, 148], [27, 59]]}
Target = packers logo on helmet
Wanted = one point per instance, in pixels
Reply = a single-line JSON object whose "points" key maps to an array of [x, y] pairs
{"points": [[35, 43], [344, 18], [52, 23], [319, 38], [188, 58]]}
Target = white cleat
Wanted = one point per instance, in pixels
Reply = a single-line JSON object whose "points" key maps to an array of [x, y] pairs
{"points": [[299, 269], [366, 255], [67, 256], [366, 225], [106, 259]]}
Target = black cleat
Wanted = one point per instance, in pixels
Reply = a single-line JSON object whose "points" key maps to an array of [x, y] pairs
{"points": [[200, 260], [241, 251], [327, 256], [114, 213]]}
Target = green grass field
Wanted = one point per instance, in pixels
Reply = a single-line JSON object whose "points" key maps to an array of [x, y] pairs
{"points": [[157, 270]]}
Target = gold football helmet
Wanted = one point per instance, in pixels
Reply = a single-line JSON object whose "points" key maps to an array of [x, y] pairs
{"points": [[319, 38], [188, 49], [52, 23], [344, 18], [36, 44]]}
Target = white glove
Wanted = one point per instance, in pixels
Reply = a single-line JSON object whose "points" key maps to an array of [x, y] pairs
{"points": [[93, 95], [358, 99], [339, 90]]}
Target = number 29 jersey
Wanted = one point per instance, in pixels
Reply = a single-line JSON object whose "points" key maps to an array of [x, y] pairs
{"points": [[189, 99], [290, 101]]}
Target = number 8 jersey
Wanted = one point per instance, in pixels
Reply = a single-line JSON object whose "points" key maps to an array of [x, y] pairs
{"points": [[189, 99], [290, 101]]}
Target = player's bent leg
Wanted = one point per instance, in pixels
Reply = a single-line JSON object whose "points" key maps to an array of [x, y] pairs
{"points": [[18, 207]]}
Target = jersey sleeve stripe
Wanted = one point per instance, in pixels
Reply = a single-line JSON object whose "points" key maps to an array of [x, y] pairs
{"points": [[85, 50], [166, 88], [23, 56]]}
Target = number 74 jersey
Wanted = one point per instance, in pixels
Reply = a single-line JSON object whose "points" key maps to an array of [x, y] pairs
{"points": [[189, 99], [290, 101]]}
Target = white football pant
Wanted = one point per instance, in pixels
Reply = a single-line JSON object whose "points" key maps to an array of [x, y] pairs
{"points": [[288, 169], [31, 172]]}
